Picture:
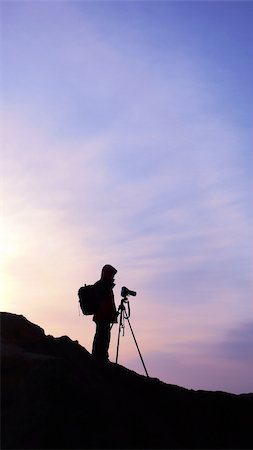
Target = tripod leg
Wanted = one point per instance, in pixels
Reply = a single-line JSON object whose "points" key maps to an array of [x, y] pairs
{"points": [[117, 354], [137, 347], [120, 324]]}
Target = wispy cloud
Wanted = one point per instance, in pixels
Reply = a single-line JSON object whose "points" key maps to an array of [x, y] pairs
{"points": [[225, 365], [195, 372], [238, 344]]}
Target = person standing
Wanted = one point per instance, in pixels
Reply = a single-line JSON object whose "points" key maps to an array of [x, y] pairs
{"points": [[106, 313]]}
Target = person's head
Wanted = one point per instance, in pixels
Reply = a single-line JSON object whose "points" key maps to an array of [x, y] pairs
{"points": [[108, 273]]}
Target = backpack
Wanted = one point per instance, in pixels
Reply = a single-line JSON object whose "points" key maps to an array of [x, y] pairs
{"points": [[88, 299]]}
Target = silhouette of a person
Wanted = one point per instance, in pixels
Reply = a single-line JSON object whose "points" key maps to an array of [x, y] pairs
{"points": [[106, 313]]}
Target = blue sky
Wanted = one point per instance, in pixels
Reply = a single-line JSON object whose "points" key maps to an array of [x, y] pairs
{"points": [[128, 140]]}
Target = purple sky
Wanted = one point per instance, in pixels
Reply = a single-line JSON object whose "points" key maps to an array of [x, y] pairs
{"points": [[128, 141]]}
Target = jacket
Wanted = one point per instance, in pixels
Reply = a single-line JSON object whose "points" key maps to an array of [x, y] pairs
{"points": [[106, 311]]}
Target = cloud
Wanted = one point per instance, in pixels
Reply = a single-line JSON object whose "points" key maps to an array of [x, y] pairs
{"points": [[238, 344], [226, 364], [193, 372]]}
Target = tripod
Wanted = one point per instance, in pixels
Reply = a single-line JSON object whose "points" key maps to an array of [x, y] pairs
{"points": [[125, 314]]}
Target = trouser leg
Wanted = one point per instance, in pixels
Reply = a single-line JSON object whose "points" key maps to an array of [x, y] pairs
{"points": [[101, 340]]}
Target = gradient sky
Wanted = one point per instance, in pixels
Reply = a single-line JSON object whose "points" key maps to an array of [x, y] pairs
{"points": [[128, 141]]}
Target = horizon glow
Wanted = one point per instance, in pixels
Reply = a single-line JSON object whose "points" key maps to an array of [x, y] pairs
{"points": [[128, 141]]}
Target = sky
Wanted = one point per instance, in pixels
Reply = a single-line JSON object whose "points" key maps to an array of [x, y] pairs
{"points": [[127, 140]]}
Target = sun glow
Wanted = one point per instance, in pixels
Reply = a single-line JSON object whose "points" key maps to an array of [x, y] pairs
{"points": [[8, 243], [9, 250]]}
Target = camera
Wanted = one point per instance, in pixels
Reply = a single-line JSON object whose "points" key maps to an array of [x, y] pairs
{"points": [[125, 292]]}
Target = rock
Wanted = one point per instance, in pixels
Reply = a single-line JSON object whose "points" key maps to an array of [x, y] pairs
{"points": [[56, 396]]}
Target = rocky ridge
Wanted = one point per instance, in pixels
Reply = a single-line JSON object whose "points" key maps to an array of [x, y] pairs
{"points": [[55, 396]]}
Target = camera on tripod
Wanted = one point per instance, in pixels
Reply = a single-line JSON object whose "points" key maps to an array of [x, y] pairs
{"points": [[124, 313], [125, 292]]}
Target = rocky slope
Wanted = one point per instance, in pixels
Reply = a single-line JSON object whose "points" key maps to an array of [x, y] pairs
{"points": [[55, 396]]}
